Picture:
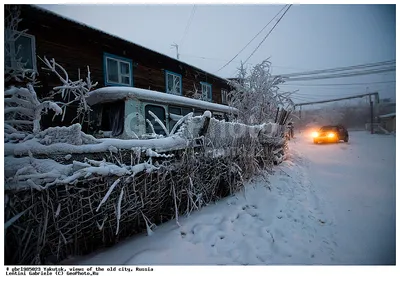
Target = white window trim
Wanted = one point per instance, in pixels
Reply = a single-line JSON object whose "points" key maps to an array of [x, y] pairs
{"points": [[120, 76], [33, 49]]}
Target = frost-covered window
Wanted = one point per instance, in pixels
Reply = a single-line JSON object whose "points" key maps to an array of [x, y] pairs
{"points": [[23, 48], [160, 113], [224, 95], [173, 83], [118, 70], [206, 91]]}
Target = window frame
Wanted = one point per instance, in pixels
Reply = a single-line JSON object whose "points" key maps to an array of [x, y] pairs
{"points": [[118, 59], [33, 50], [224, 93], [167, 72], [202, 94]]}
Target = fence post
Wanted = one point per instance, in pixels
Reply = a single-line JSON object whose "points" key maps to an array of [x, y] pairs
{"points": [[204, 129]]}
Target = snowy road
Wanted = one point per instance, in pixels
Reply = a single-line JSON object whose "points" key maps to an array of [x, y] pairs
{"points": [[327, 204], [358, 182]]}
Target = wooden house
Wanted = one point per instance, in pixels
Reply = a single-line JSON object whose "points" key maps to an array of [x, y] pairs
{"points": [[113, 61]]}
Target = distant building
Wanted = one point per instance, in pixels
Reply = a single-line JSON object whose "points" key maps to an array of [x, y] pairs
{"points": [[388, 122]]}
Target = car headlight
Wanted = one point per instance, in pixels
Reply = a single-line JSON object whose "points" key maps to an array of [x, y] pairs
{"points": [[331, 135], [315, 134]]}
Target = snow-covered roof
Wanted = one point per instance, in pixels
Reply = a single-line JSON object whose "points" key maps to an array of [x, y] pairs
{"points": [[388, 115], [115, 93], [115, 36]]}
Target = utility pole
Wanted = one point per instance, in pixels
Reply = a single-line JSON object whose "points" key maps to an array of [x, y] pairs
{"points": [[177, 50], [371, 105], [300, 113]]}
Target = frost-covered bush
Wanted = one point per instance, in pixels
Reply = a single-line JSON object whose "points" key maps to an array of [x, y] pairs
{"points": [[23, 110], [256, 94]]}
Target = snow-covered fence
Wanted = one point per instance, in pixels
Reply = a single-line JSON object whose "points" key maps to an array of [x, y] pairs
{"points": [[103, 202], [64, 206]]}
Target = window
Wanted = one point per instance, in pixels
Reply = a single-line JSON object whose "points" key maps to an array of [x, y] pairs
{"points": [[160, 113], [118, 70], [175, 114], [224, 96], [113, 118], [173, 83], [26, 52], [206, 91]]}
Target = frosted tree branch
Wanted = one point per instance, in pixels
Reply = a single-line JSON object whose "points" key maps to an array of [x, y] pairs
{"points": [[72, 91]]}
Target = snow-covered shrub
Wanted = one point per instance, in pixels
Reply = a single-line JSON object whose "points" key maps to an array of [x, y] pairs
{"points": [[256, 94]]}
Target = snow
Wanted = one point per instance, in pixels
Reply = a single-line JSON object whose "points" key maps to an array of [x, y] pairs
{"points": [[35, 147], [207, 114], [28, 172], [325, 204], [358, 180], [28, 105], [109, 94]]}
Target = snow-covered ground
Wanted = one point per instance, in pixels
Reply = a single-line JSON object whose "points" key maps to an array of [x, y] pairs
{"points": [[326, 204]]}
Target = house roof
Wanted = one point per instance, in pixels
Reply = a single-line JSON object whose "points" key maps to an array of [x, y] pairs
{"points": [[388, 115], [99, 30]]}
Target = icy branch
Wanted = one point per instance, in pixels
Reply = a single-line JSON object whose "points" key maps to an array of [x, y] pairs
{"points": [[77, 89]]}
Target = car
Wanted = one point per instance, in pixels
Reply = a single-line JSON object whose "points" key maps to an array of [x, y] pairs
{"points": [[331, 134]]}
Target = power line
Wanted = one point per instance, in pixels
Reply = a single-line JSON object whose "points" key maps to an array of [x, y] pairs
{"points": [[268, 33], [339, 84], [251, 40], [237, 61], [325, 94], [303, 96], [340, 75], [363, 66], [188, 24]]}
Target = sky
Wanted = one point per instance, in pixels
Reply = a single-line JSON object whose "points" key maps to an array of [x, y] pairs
{"points": [[309, 37]]}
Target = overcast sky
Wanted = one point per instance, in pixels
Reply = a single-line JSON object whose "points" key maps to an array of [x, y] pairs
{"points": [[308, 37]]}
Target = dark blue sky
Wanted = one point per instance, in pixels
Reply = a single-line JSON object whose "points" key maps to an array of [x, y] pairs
{"points": [[308, 37]]}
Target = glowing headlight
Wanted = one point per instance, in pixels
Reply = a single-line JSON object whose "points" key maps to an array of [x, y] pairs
{"points": [[315, 134], [331, 135]]}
